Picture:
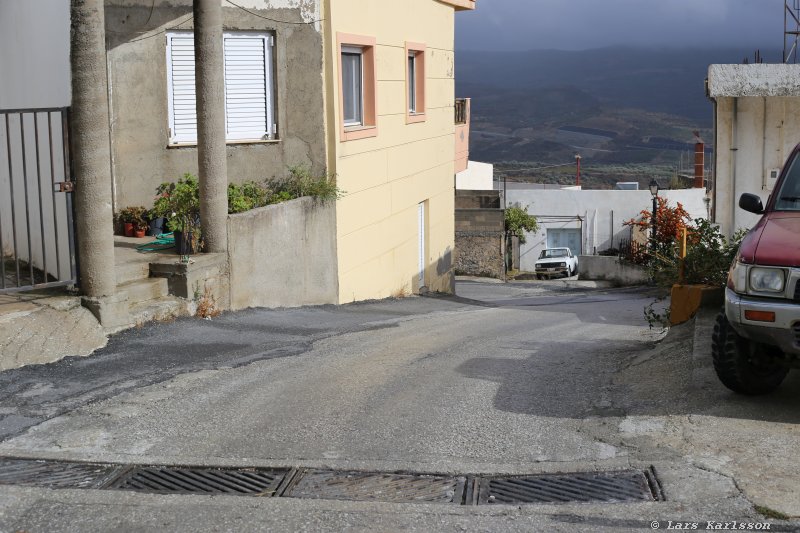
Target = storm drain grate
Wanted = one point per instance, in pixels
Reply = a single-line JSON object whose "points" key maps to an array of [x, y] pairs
{"points": [[381, 487], [169, 480], [54, 474], [604, 487], [599, 487]]}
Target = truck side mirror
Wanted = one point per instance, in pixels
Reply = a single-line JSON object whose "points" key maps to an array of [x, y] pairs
{"points": [[751, 203]]}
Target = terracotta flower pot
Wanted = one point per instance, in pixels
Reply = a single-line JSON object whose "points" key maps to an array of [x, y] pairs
{"points": [[139, 233], [128, 229]]}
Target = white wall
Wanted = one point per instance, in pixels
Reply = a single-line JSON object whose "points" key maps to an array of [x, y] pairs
{"points": [[34, 73], [477, 177], [601, 214], [755, 134], [756, 129], [34, 53]]}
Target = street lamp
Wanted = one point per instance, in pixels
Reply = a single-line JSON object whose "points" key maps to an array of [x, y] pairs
{"points": [[654, 192], [578, 174]]}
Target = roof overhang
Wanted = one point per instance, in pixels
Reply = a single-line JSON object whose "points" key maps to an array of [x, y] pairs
{"points": [[460, 5], [760, 79]]}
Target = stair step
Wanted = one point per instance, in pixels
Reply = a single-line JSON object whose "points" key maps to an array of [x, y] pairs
{"points": [[145, 289], [128, 272], [163, 308]]}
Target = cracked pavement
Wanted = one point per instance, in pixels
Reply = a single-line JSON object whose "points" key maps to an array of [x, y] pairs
{"points": [[505, 378]]}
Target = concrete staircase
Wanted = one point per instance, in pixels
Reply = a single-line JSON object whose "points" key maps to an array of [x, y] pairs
{"points": [[148, 297]]}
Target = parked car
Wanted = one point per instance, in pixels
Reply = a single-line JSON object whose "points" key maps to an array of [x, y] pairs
{"points": [[756, 340], [556, 262]]}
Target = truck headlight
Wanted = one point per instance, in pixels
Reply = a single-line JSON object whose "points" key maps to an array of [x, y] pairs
{"points": [[767, 279], [737, 277], [562, 264]]}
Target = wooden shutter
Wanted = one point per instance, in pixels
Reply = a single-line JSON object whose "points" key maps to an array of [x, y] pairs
{"points": [[181, 89], [248, 86]]}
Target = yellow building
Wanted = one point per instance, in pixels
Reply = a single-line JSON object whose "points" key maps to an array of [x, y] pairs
{"points": [[390, 99]]}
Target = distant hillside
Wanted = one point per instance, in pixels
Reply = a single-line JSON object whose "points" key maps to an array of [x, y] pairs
{"points": [[614, 106], [662, 81]]}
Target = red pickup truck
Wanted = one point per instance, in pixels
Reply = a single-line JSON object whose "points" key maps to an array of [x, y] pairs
{"points": [[756, 340]]}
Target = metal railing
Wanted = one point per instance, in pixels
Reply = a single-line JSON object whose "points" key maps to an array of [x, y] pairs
{"points": [[37, 247]]}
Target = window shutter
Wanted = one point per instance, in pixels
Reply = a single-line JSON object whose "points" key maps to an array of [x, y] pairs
{"points": [[182, 111], [248, 87]]}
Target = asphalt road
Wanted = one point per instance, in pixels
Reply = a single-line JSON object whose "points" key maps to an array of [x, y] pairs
{"points": [[505, 378]]}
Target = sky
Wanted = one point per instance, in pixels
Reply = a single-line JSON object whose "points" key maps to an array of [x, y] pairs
{"points": [[586, 24]]}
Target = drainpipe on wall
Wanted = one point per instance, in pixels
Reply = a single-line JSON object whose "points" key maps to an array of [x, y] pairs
{"points": [[712, 212], [734, 157]]}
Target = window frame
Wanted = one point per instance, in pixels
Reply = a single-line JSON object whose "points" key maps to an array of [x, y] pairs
{"points": [[368, 126], [270, 133], [418, 51], [358, 86]]}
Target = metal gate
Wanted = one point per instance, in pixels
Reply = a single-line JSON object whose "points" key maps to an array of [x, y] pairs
{"points": [[37, 237]]}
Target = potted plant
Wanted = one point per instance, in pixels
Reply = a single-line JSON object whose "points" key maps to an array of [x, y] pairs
{"points": [[179, 203], [157, 224], [133, 220]]}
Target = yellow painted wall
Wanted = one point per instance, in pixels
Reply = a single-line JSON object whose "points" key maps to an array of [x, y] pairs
{"points": [[387, 176]]}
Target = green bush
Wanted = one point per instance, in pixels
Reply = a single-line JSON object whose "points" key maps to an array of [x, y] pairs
{"points": [[518, 221], [708, 257], [300, 182], [247, 196], [179, 203]]}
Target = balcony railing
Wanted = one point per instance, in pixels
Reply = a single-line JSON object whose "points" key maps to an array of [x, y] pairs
{"points": [[462, 110]]}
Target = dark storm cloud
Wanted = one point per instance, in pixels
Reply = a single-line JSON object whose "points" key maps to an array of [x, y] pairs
{"points": [[584, 24]]}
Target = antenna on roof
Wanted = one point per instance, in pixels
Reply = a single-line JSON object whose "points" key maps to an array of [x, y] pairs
{"points": [[791, 30]]}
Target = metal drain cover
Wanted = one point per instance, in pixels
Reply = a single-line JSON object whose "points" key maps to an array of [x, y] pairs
{"points": [[382, 487], [54, 474], [606, 487], [169, 480]]}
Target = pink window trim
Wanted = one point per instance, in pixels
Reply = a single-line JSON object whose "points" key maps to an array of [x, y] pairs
{"points": [[370, 80], [419, 50]]}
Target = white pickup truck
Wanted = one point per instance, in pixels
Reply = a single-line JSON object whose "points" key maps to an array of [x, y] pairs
{"points": [[556, 262]]}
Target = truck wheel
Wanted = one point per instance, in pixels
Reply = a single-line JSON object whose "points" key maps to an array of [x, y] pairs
{"points": [[742, 365]]}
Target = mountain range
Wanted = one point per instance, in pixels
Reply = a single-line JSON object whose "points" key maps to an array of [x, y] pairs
{"points": [[613, 105]]}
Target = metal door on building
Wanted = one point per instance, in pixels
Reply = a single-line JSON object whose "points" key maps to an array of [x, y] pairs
{"points": [[37, 237], [565, 238]]}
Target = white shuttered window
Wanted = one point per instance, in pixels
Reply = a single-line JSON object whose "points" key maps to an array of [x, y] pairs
{"points": [[249, 102]]}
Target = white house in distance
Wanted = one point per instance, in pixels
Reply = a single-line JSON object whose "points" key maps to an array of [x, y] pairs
{"points": [[755, 129], [589, 221]]}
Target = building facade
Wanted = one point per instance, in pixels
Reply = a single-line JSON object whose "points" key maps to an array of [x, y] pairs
{"points": [[755, 131], [390, 93]]}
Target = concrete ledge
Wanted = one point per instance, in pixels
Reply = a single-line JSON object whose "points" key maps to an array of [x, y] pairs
{"points": [[602, 268], [39, 334], [110, 311], [204, 275]]}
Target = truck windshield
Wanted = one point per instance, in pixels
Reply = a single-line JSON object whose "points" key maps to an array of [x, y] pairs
{"points": [[546, 254], [789, 194]]}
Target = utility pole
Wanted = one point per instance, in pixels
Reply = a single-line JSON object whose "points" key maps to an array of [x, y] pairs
{"points": [[91, 152], [211, 150], [578, 165]]}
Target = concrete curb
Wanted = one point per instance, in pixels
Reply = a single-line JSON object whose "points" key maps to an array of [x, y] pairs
{"points": [[45, 330]]}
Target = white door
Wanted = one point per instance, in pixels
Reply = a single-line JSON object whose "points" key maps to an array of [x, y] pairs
{"points": [[565, 238], [421, 232]]}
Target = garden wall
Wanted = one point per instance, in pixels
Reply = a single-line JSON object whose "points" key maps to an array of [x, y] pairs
{"points": [[283, 255], [598, 267]]}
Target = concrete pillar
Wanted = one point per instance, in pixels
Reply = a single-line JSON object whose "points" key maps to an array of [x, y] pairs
{"points": [[91, 153], [211, 152]]}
